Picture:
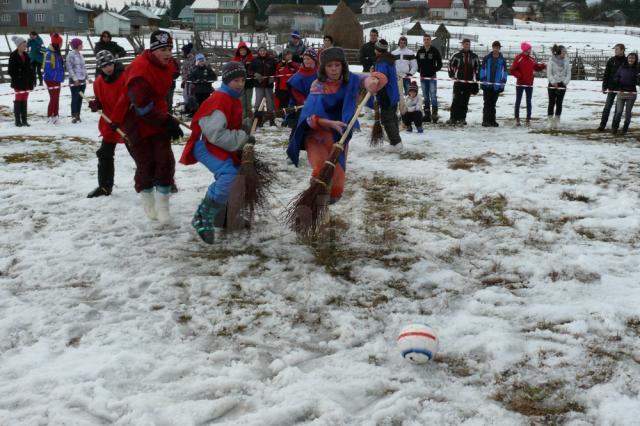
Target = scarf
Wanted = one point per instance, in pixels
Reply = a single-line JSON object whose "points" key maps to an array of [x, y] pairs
{"points": [[229, 91]]}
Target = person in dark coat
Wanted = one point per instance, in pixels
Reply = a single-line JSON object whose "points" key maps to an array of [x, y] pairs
{"points": [[105, 43], [388, 98], [202, 78], [429, 63], [263, 68], [464, 66], [609, 87], [368, 51], [22, 79], [627, 79]]}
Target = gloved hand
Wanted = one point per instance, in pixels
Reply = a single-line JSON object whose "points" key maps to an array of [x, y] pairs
{"points": [[258, 77], [94, 105], [173, 129], [114, 126]]}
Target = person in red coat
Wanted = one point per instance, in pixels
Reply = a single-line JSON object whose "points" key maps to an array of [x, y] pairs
{"points": [[107, 88], [243, 54], [284, 71], [144, 114], [523, 68], [217, 136]]}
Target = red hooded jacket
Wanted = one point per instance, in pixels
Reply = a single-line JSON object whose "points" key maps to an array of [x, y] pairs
{"points": [[523, 67]]}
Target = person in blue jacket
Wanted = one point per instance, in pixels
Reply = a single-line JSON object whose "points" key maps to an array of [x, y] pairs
{"points": [[54, 76], [388, 98], [493, 76]]}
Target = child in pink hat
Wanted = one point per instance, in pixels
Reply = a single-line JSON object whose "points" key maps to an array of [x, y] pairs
{"points": [[523, 68]]}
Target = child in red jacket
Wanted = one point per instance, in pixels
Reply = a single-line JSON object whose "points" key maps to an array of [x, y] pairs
{"points": [[523, 68], [107, 87], [285, 69]]}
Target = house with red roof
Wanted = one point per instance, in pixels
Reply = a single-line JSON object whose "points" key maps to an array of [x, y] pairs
{"points": [[448, 10]]}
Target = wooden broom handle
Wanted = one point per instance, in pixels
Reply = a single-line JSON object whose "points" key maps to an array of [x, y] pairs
{"points": [[254, 126], [353, 120], [108, 120]]}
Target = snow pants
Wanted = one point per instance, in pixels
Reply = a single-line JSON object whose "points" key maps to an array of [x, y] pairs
{"points": [[319, 144], [490, 98], [389, 120], [224, 173], [412, 118], [155, 165], [460, 103]]}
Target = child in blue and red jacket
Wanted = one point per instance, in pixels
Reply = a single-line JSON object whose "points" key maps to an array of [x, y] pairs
{"points": [[217, 136], [330, 106], [300, 83]]}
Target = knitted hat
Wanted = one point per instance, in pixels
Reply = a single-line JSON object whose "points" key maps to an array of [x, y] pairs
{"points": [[75, 43], [263, 46], [232, 70], [312, 54], [186, 49], [295, 34], [56, 40], [200, 57], [332, 54], [413, 86], [104, 58], [160, 39], [18, 40], [382, 45], [524, 46]]}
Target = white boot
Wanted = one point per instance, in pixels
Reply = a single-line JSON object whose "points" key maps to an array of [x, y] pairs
{"points": [[162, 207], [556, 120], [149, 205]]}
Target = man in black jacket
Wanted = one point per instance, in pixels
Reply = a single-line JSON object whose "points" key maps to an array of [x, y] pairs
{"points": [[368, 51], [429, 63], [608, 85], [105, 43], [465, 66]]}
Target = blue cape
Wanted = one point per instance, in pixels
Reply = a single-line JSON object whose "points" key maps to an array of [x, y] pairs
{"points": [[302, 83], [337, 106]]}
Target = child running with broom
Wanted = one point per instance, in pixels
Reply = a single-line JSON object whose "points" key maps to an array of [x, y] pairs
{"points": [[330, 105], [217, 136], [300, 84]]}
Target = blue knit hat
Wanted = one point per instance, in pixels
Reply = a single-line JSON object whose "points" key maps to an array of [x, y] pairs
{"points": [[200, 57], [295, 34]]}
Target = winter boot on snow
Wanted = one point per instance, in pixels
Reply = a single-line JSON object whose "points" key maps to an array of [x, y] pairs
{"points": [[162, 203], [17, 113], [23, 113], [426, 115], [208, 216], [100, 191], [149, 203], [434, 116], [625, 128]]}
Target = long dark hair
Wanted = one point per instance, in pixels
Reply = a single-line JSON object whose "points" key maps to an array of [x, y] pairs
{"points": [[557, 49], [635, 64]]}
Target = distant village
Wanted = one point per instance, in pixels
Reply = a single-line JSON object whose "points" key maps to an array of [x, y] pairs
{"points": [[276, 15]]}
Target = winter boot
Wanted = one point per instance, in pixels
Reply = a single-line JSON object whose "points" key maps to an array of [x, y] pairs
{"points": [[517, 122], [426, 116], [409, 128], [208, 216], [17, 113], [149, 203], [625, 128], [100, 191], [420, 130], [23, 113], [550, 121], [162, 203], [75, 118], [434, 116]]}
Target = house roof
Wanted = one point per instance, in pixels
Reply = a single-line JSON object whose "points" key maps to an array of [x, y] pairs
{"points": [[409, 4], [143, 11], [302, 9], [444, 4], [159, 11], [186, 13], [215, 4], [372, 3], [115, 15], [328, 10], [82, 8]]}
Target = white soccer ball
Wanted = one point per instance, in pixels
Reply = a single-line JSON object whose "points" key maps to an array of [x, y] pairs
{"points": [[418, 343]]}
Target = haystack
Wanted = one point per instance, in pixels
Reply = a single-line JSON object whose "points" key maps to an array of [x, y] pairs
{"points": [[416, 30], [344, 27]]}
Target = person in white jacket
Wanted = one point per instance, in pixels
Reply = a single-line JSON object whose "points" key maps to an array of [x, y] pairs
{"points": [[406, 63], [559, 76], [413, 113]]}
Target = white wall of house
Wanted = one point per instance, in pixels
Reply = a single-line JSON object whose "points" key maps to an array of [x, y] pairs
{"points": [[107, 22]]}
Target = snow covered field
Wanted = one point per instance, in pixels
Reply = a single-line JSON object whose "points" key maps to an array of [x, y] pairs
{"points": [[520, 246]]}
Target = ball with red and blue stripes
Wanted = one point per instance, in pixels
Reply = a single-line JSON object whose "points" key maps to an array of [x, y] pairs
{"points": [[418, 343]]}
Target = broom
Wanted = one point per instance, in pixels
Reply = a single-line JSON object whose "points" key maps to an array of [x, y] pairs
{"points": [[108, 120], [251, 184], [305, 212]]}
